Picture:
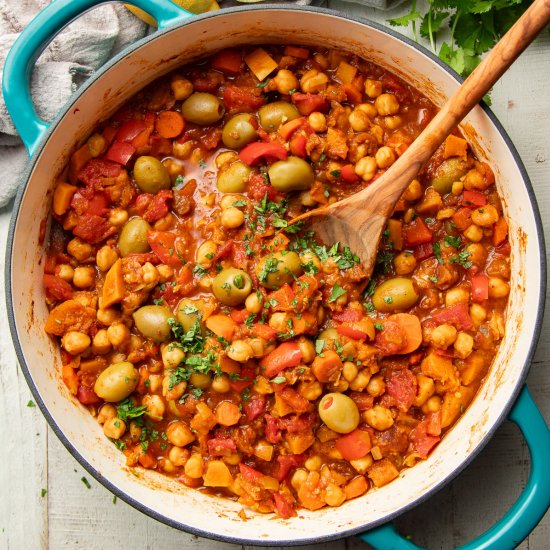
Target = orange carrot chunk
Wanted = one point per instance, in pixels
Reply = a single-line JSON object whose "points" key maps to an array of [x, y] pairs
{"points": [[169, 124]]}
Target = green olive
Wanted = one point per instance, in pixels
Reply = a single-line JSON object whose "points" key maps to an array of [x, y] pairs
{"points": [[231, 286], [395, 294], [339, 412], [238, 131], [328, 335], [234, 179], [274, 114], [117, 382], [133, 237], [189, 312], [202, 108], [200, 380], [292, 174], [150, 174], [447, 173], [152, 322], [274, 270]]}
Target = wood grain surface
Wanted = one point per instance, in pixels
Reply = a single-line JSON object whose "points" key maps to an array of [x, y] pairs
{"points": [[45, 504]]}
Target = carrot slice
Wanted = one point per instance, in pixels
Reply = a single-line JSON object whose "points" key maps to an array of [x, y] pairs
{"points": [[169, 124], [410, 325], [227, 414]]}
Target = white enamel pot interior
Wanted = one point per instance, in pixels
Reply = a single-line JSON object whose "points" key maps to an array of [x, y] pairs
{"points": [[169, 501]]}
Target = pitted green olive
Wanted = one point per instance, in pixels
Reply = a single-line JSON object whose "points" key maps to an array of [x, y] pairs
{"points": [[231, 286], [152, 322], [150, 174], [133, 237], [292, 174], [116, 382], [202, 108], [234, 179], [238, 131], [274, 114], [339, 412], [395, 294], [328, 335], [274, 270], [189, 312], [447, 173]]}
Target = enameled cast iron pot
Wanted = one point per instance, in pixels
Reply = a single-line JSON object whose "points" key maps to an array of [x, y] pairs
{"points": [[180, 39]]}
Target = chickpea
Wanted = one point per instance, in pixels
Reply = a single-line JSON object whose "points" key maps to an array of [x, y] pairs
{"points": [[114, 428], [206, 252], [150, 274], [310, 390], [313, 463], [172, 391], [366, 168], [227, 201], [379, 418], [432, 405], [106, 412], [75, 342], [179, 434], [361, 381], [105, 258], [473, 233], [350, 371], [474, 180], [221, 384], [373, 88], [118, 217], [313, 81], [298, 478], [135, 432], [477, 253], [119, 335], [413, 191], [456, 296], [178, 456], [84, 277], [79, 250], [307, 348], [182, 150], [443, 336], [318, 122], [376, 386], [181, 88], [393, 122], [101, 344], [386, 104], [309, 258], [359, 120], [240, 351], [285, 81], [306, 199], [477, 314], [107, 316], [227, 157], [172, 356], [426, 388], [232, 218], [165, 273], [154, 382], [368, 108], [155, 406], [253, 303], [404, 263], [194, 467], [464, 344], [334, 496], [361, 465], [65, 272], [385, 157], [498, 288], [258, 346], [485, 216]]}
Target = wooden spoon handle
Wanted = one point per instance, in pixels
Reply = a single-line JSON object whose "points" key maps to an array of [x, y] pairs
{"points": [[480, 81]]}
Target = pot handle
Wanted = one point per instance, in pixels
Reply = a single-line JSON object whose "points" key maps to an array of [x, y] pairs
{"points": [[32, 41], [524, 514]]}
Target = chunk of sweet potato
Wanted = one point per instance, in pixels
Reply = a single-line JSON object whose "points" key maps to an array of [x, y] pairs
{"points": [[217, 474], [441, 369], [113, 288], [382, 472], [69, 315]]}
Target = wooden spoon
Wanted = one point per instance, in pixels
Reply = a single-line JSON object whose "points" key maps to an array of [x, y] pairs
{"points": [[359, 220]]}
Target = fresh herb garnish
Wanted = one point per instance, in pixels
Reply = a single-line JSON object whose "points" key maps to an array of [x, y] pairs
{"points": [[462, 259], [86, 482], [126, 410], [337, 291], [437, 252], [455, 242], [279, 380]]}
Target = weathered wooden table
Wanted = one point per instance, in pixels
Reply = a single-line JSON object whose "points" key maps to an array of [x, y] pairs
{"points": [[46, 501]]}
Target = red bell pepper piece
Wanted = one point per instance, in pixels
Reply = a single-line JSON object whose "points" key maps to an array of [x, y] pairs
{"points": [[253, 152], [416, 233], [347, 173], [462, 218], [228, 61], [162, 244], [246, 379], [288, 128], [286, 355], [298, 145], [473, 199], [354, 445], [423, 251], [348, 315], [457, 315], [57, 288], [308, 103], [264, 331], [241, 100], [480, 287], [131, 129], [120, 152]]}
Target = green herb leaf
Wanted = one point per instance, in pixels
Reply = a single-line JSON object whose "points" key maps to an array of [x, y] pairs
{"points": [[337, 291], [86, 482], [126, 410], [278, 380]]}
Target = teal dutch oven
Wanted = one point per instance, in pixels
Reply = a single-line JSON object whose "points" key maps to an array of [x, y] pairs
{"points": [[180, 38]]}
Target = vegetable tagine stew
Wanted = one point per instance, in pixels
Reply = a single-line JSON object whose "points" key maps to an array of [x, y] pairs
{"points": [[221, 345]]}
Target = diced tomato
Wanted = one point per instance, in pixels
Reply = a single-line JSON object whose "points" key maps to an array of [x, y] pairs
{"points": [[500, 231], [228, 61], [57, 288], [158, 207], [223, 251], [254, 407], [211, 139], [423, 251], [416, 233], [348, 315], [308, 103], [283, 507], [93, 229], [96, 169], [160, 146], [281, 300], [221, 446], [295, 423], [120, 152], [352, 330], [473, 199], [354, 445], [70, 378], [391, 339], [147, 460], [246, 379], [421, 440], [260, 330], [87, 395], [49, 264], [353, 94], [363, 400], [253, 152], [239, 315], [162, 244], [287, 463], [258, 188], [298, 145], [402, 387], [393, 85], [457, 315], [250, 474], [131, 129], [242, 100], [296, 51], [347, 173], [504, 248], [286, 355], [462, 218], [272, 430], [480, 287], [288, 128], [294, 399]]}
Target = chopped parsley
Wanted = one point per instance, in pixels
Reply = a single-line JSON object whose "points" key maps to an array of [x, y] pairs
{"points": [[199, 271], [335, 173], [310, 268], [249, 321], [279, 380], [263, 83], [455, 242], [336, 292], [86, 482], [191, 341], [462, 259], [437, 252], [388, 299], [378, 326], [319, 346], [180, 180], [384, 261], [239, 203], [126, 410], [269, 266], [433, 279], [31, 403], [43, 492]]}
